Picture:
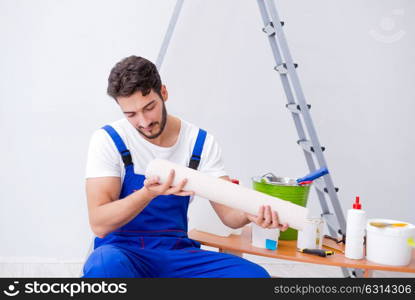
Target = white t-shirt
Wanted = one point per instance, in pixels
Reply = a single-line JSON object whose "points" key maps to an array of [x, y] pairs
{"points": [[104, 159]]}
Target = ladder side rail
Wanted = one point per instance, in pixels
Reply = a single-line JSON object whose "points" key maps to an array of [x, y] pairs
{"points": [[290, 100], [305, 113], [169, 32]]}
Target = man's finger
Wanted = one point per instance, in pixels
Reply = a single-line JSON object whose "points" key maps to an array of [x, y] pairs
{"points": [[169, 180], [274, 219], [283, 227], [276, 222], [185, 193], [179, 187], [267, 216], [151, 180], [261, 212], [277, 218], [258, 219], [182, 184]]}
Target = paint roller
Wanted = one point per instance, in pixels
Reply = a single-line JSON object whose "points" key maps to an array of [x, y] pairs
{"points": [[227, 193]]}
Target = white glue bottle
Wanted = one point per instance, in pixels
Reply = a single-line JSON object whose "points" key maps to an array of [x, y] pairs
{"points": [[355, 231]]}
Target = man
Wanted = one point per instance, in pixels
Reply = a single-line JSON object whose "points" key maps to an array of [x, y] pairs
{"points": [[141, 225]]}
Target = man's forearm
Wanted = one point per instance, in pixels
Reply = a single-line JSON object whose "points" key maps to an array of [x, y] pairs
{"points": [[112, 215], [235, 218], [229, 216]]}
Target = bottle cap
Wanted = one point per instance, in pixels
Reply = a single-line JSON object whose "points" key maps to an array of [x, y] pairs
{"points": [[357, 204], [236, 181]]}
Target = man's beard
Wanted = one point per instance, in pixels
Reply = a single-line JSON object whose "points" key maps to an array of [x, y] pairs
{"points": [[162, 125]]}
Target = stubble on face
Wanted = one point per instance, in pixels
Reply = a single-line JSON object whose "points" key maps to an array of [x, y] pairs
{"points": [[161, 125]]}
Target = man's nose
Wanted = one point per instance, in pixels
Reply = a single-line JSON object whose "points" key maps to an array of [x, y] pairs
{"points": [[143, 122]]}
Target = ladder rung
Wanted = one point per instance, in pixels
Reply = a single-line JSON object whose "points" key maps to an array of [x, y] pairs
{"points": [[331, 221], [295, 108], [307, 146], [282, 68], [319, 184], [269, 29]]}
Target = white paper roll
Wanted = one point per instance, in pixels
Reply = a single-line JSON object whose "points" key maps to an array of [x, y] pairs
{"points": [[227, 193]]}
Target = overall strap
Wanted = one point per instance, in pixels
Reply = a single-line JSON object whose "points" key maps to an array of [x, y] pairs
{"points": [[125, 153], [197, 150]]}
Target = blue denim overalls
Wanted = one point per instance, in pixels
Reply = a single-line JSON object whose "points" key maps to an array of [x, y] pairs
{"points": [[155, 242]]}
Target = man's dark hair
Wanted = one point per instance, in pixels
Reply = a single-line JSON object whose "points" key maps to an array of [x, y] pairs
{"points": [[132, 74]]}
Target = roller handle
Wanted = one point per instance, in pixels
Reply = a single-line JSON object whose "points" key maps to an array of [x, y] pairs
{"points": [[319, 252], [314, 175]]}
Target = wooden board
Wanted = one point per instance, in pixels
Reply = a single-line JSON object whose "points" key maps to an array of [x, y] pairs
{"points": [[288, 250]]}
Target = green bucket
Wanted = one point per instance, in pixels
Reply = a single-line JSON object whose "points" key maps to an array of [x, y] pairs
{"points": [[285, 189]]}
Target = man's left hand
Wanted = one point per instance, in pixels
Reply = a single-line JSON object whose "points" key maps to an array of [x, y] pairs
{"points": [[267, 218]]}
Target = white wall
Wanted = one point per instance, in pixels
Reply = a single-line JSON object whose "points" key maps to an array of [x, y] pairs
{"points": [[56, 56]]}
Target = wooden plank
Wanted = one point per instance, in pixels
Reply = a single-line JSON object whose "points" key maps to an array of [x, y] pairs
{"points": [[287, 250]]}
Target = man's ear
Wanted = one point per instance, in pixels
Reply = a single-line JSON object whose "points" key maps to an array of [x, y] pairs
{"points": [[164, 93]]}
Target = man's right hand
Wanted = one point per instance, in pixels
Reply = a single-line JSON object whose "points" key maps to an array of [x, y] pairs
{"points": [[153, 187]]}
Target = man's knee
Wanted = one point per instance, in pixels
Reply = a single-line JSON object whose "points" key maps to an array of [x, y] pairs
{"points": [[252, 270], [260, 272], [109, 261]]}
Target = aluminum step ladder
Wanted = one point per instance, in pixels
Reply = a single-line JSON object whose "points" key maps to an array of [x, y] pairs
{"points": [[300, 111]]}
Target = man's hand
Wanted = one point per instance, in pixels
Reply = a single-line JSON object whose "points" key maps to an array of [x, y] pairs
{"points": [[154, 188], [267, 218]]}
